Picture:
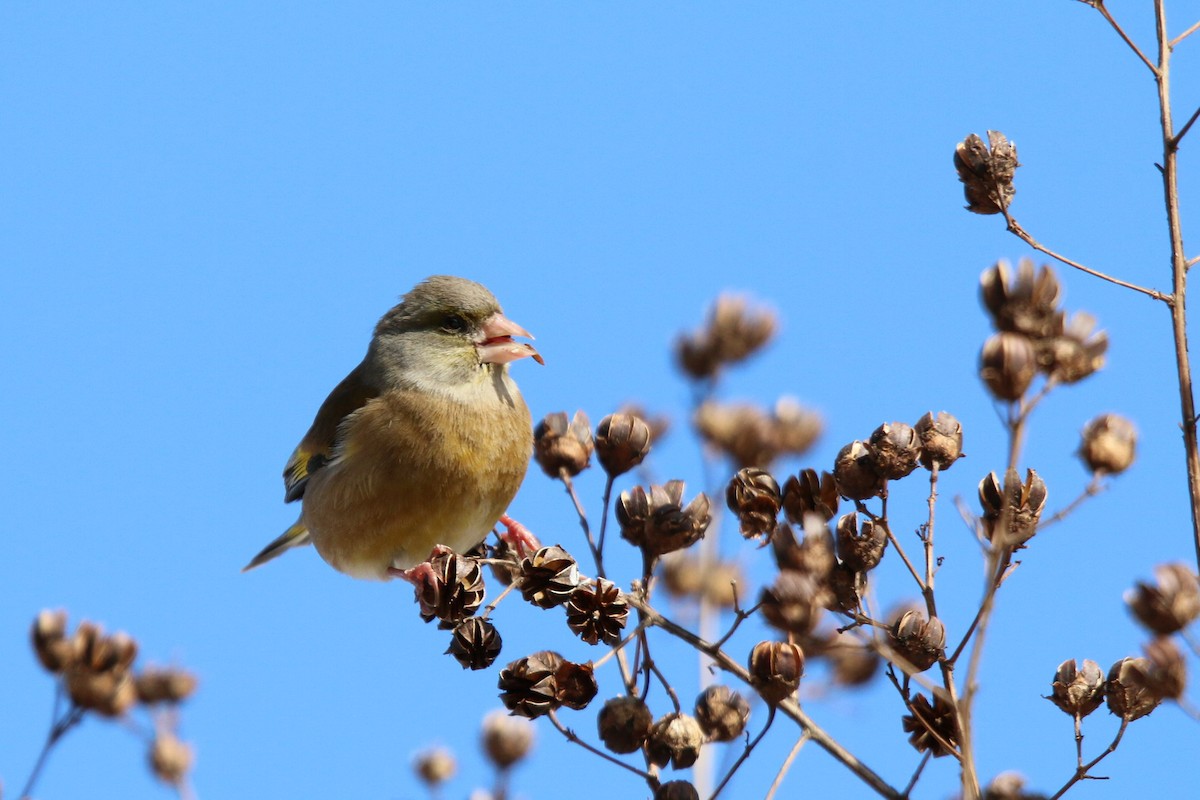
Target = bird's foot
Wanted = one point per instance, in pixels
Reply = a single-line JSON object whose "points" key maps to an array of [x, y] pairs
{"points": [[421, 575], [518, 537]]}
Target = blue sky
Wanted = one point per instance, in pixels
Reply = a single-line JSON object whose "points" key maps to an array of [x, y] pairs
{"points": [[206, 208]]}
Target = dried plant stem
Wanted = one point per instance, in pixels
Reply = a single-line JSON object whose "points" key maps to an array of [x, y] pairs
{"points": [[912, 782], [927, 538], [787, 765], [1081, 772], [1179, 269], [907, 698], [745, 754], [789, 707], [571, 736], [597, 556], [1195, 27], [604, 503], [1099, 6], [58, 728], [1095, 486]]}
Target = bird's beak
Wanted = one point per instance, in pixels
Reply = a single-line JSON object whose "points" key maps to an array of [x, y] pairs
{"points": [[496, 345]]}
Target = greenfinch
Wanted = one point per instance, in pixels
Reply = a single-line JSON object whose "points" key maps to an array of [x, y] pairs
{"points": [[423, 444]]}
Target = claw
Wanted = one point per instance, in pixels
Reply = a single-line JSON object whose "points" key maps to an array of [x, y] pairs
{"points": [[519, 538]]}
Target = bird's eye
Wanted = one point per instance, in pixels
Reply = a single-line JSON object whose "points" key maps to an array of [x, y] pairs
{"points": [[453, 323]]}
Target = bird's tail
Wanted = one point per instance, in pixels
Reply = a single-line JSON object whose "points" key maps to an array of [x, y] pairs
{"points": [[293, 537]]}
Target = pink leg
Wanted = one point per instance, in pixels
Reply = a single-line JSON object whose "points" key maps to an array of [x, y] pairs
{"points": [[519, 538], [422, 574]]}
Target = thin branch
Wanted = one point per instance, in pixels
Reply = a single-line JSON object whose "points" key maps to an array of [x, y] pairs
{"points": [[571, 736], [745, 754], [912, 782], [597, 557], [1099, 6], [1186, 127], [1174, 42], [787, 764], [58, 729], [1094, 487], [1015, 228], [1081, 772]]}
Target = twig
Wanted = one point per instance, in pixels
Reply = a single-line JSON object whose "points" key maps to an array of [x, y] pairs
{"points": [[912, 782], [1081, 771], [739, 617], [1186, 127], [58, 728], [1094, 487], [583, 520], [1099, 6], [745, 754], [1172, 44], [787, 764], [1015, 228], [571, 736]]}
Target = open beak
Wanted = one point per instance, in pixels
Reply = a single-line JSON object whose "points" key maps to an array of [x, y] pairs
{"points": [[497, 345]]}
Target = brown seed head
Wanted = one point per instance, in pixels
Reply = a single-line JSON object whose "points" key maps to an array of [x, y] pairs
{"points": [[793, 603], [676, 790], [453, 591], [1009, 786], [1025, 304], [597, 611], [854, 472], [562, 445], [170, 759], [846, 586], [1108, 444], [932, 727], [1167, 676], [164, 685], [941, 439], [1129, 691], [675, 739], [576, 684], [918, 640], [722, 713], [860, 547], [506, 740], [754, 496], [986, 172], [548, 577], [1008, 364], [475, 643], [1077, 352], [752, 438], [776, 669], [506, 560], [53, 648], [896, 448], [658, 522], [528, 687], [733, 332], [622, 442], [1077, 690], [1169, 605], [813, 555], [722, 582], [624, 722], [806, 493], [1017, 503], [435, 766], [853, 664]]}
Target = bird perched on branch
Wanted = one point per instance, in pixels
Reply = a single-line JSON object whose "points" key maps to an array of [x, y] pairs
{"points": [[424, 443]]}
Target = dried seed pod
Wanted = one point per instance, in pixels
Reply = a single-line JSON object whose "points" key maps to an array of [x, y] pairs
{"points": [[561, 445], [171, 685], [721, 580], [1008, 364], [506, 740], [575, 684], [846, 588], [752, 438], [475, 644], [1170, 605], [1019, 504], [793, 603], [1009, 786], [1108, 444], [795, 427], [100, 679], [896, 448], [860, 548], [1167, 676], [854, 472], [682, 576], [927, 720], [806, 493], [733, 332], [622, 442], [813, 555], [1129, 692], [53, 648], [754, 496], [676, 790], [623, 723], [658, 522], [986, 172], [941, 439], [675, 739], [722, 713], [453, 590], [1077, 352], [1077, 690], [548, 577], [917, 640], [1025, 304], [170, 759], [506, 561], [776, 669], [597, 611], [528, 687], [853, 664], [435, 766]]}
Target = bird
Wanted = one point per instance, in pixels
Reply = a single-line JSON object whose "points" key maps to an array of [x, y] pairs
{"points": [[422, 446]]}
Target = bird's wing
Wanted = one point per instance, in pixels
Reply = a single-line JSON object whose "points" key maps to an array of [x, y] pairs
{"points": [[317, 447]]}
